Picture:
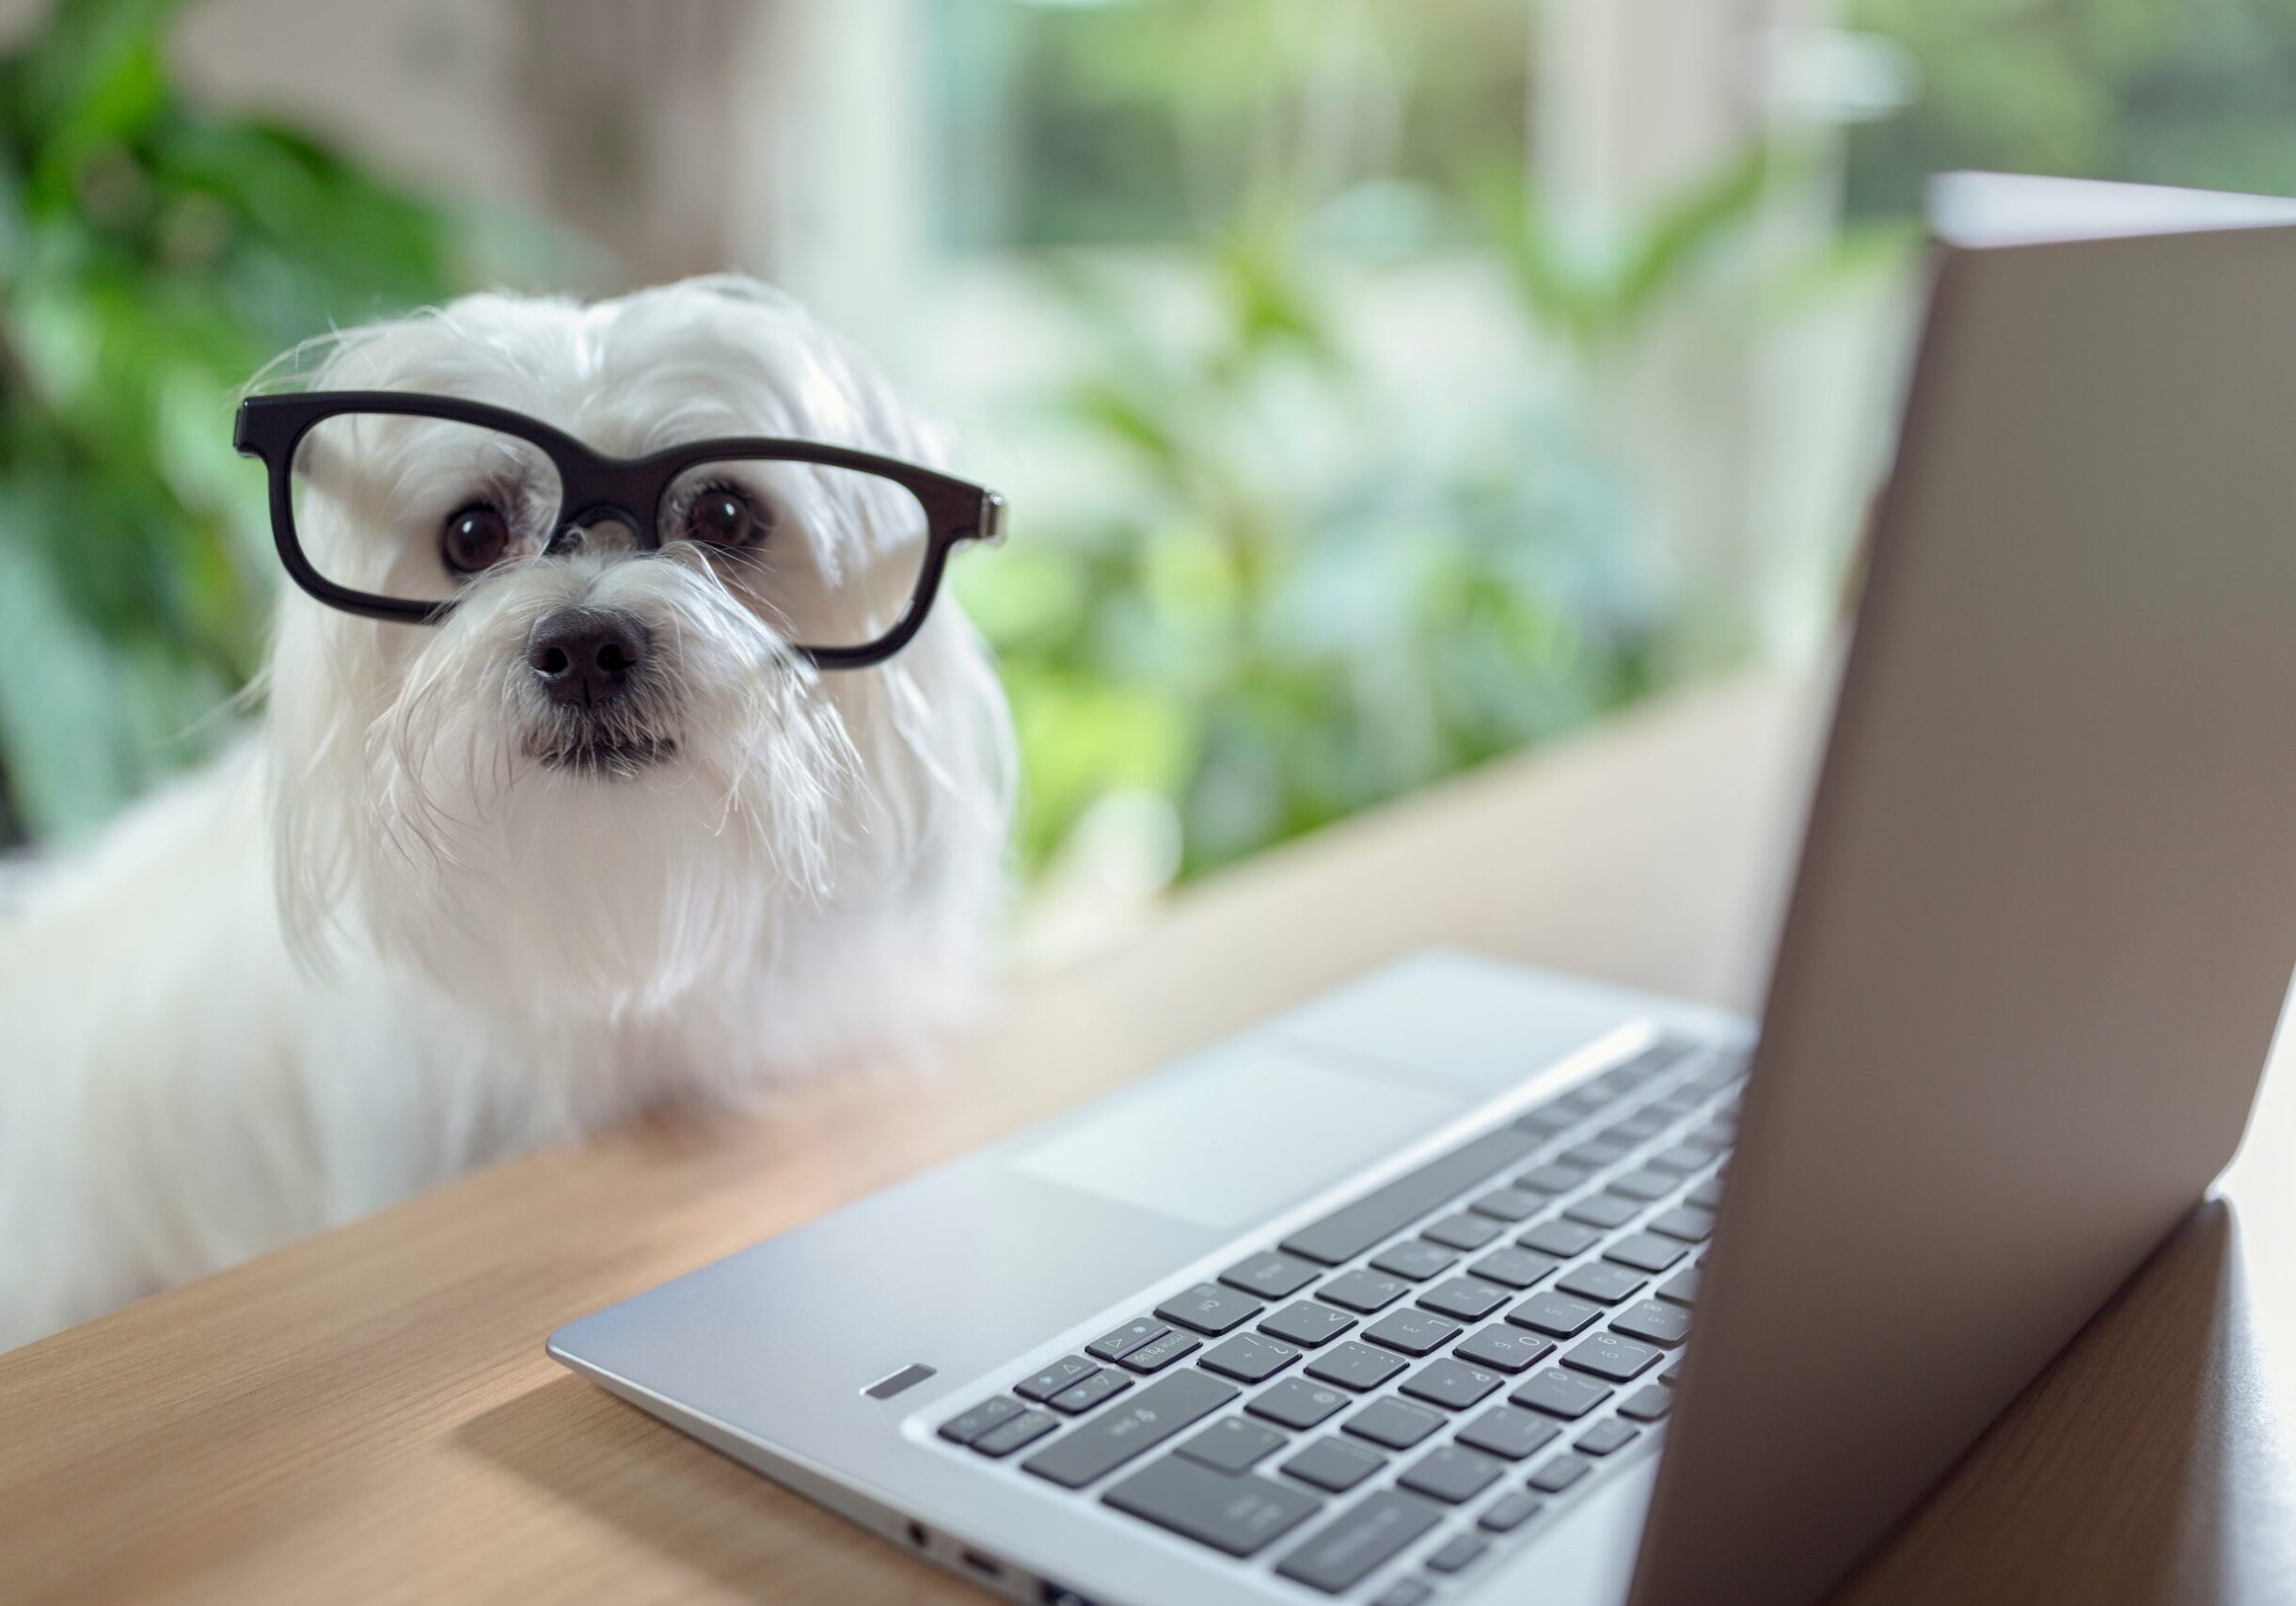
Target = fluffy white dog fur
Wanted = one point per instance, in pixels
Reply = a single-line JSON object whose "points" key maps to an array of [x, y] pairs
{"points": [[381, 942]]}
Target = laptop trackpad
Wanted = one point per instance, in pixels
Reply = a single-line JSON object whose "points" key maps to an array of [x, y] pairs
{"points": [[1232, 1136]]}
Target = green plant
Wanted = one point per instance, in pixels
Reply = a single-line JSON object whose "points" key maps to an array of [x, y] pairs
{"points": [[1593, 296], [1289, 597], [1273, 633], [152, 256]]}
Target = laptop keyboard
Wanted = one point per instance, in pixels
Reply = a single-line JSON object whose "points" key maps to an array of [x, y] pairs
{"points": [[1429, 1369]]}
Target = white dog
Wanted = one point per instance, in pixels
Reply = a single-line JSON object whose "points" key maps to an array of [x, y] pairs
{"points": [[429, 914]]}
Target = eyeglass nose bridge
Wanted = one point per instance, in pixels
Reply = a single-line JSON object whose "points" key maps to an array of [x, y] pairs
{"points": [[644, 536]]}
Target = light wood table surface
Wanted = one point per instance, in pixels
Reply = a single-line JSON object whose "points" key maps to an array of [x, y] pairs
{"points": [[369, 1414]]}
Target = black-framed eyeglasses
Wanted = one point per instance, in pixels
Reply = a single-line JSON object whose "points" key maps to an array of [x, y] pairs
{"points": [[389, 503]]}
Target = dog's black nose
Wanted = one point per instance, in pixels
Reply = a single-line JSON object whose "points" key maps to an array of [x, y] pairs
{"points": [[586, 657]]}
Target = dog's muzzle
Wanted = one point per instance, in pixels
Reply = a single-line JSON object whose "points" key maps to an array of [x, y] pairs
{"points": [[591, 666]]}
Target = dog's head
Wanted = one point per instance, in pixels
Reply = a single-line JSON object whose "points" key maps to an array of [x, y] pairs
{"points": [[606, 780]]}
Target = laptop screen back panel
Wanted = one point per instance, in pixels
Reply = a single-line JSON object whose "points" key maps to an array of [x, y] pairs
{"points": [[2047, 908]]}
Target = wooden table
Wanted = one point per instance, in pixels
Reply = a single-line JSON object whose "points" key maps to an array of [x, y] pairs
{"points": [[369, 1415]]}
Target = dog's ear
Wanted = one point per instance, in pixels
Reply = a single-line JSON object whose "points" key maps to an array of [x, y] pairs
{"points": [[311, 776], [307, 727]]}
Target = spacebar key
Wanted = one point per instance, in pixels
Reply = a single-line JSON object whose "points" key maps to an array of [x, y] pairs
{"points": [[1349, 1231], [1351, 1546], [1121, 1432]]}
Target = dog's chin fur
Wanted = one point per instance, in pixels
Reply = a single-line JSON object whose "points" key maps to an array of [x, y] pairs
{"points": [[423, 919]]}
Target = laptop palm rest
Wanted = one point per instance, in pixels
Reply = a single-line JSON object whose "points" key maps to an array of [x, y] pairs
{"points": [[1224, 1143]]}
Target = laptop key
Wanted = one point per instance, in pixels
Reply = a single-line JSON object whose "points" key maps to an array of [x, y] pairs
{"points": [[1349, 1231], [1594, 1155], [1296, 1402], [1158, 1353], [1553, 1177], [1706, 1194], [1683, 1158], [1645, 1185], [1359, 1541], [1607, 1438], [1307, 1323], [1685, 1221], [1210, 1309], [1635, 1129], [1101, 1387], [1463, 1297], [1561, 1238], [1415, 1259], [1405, 1592], [1460, 1551], [1122, 1342], [1645, 1251], [1271, 1275], [1045, 1384], [1354, 1365], [1516, 1268], [1508, 1204], [1463, 1231], [1100, 1444], [1249, 1359], [1604, 1210], [1413, 1332], [1450, 1474], [1560, 1393], [1654, 1320], [1548, 1118], [1333, 1464], [967, 1426], [1363, 1290], [1606, 1355], [1560, 1473], [1503, 1349], [1238, 1513], [1233, 1445], [1506, 1431], [1603, 1281], [1393, 1424], [1556, 1315], [1510, 1512], [1026, 1428], [1453, 1384], [1682, 1288], [1648, 1404]]}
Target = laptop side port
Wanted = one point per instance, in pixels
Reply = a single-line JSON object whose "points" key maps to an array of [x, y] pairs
{"points": [[1052, 1594]]}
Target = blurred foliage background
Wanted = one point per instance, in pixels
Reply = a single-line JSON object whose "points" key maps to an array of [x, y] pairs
{"points": [[151, 257], [2192, 92], [1336, 415]]}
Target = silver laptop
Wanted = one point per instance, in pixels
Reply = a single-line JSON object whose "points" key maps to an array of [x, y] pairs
{"points": [[1475, 1283]]}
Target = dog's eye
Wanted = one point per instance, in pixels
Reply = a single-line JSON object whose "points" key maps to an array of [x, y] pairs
{"points": [[474, 539], [720, 516]]}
